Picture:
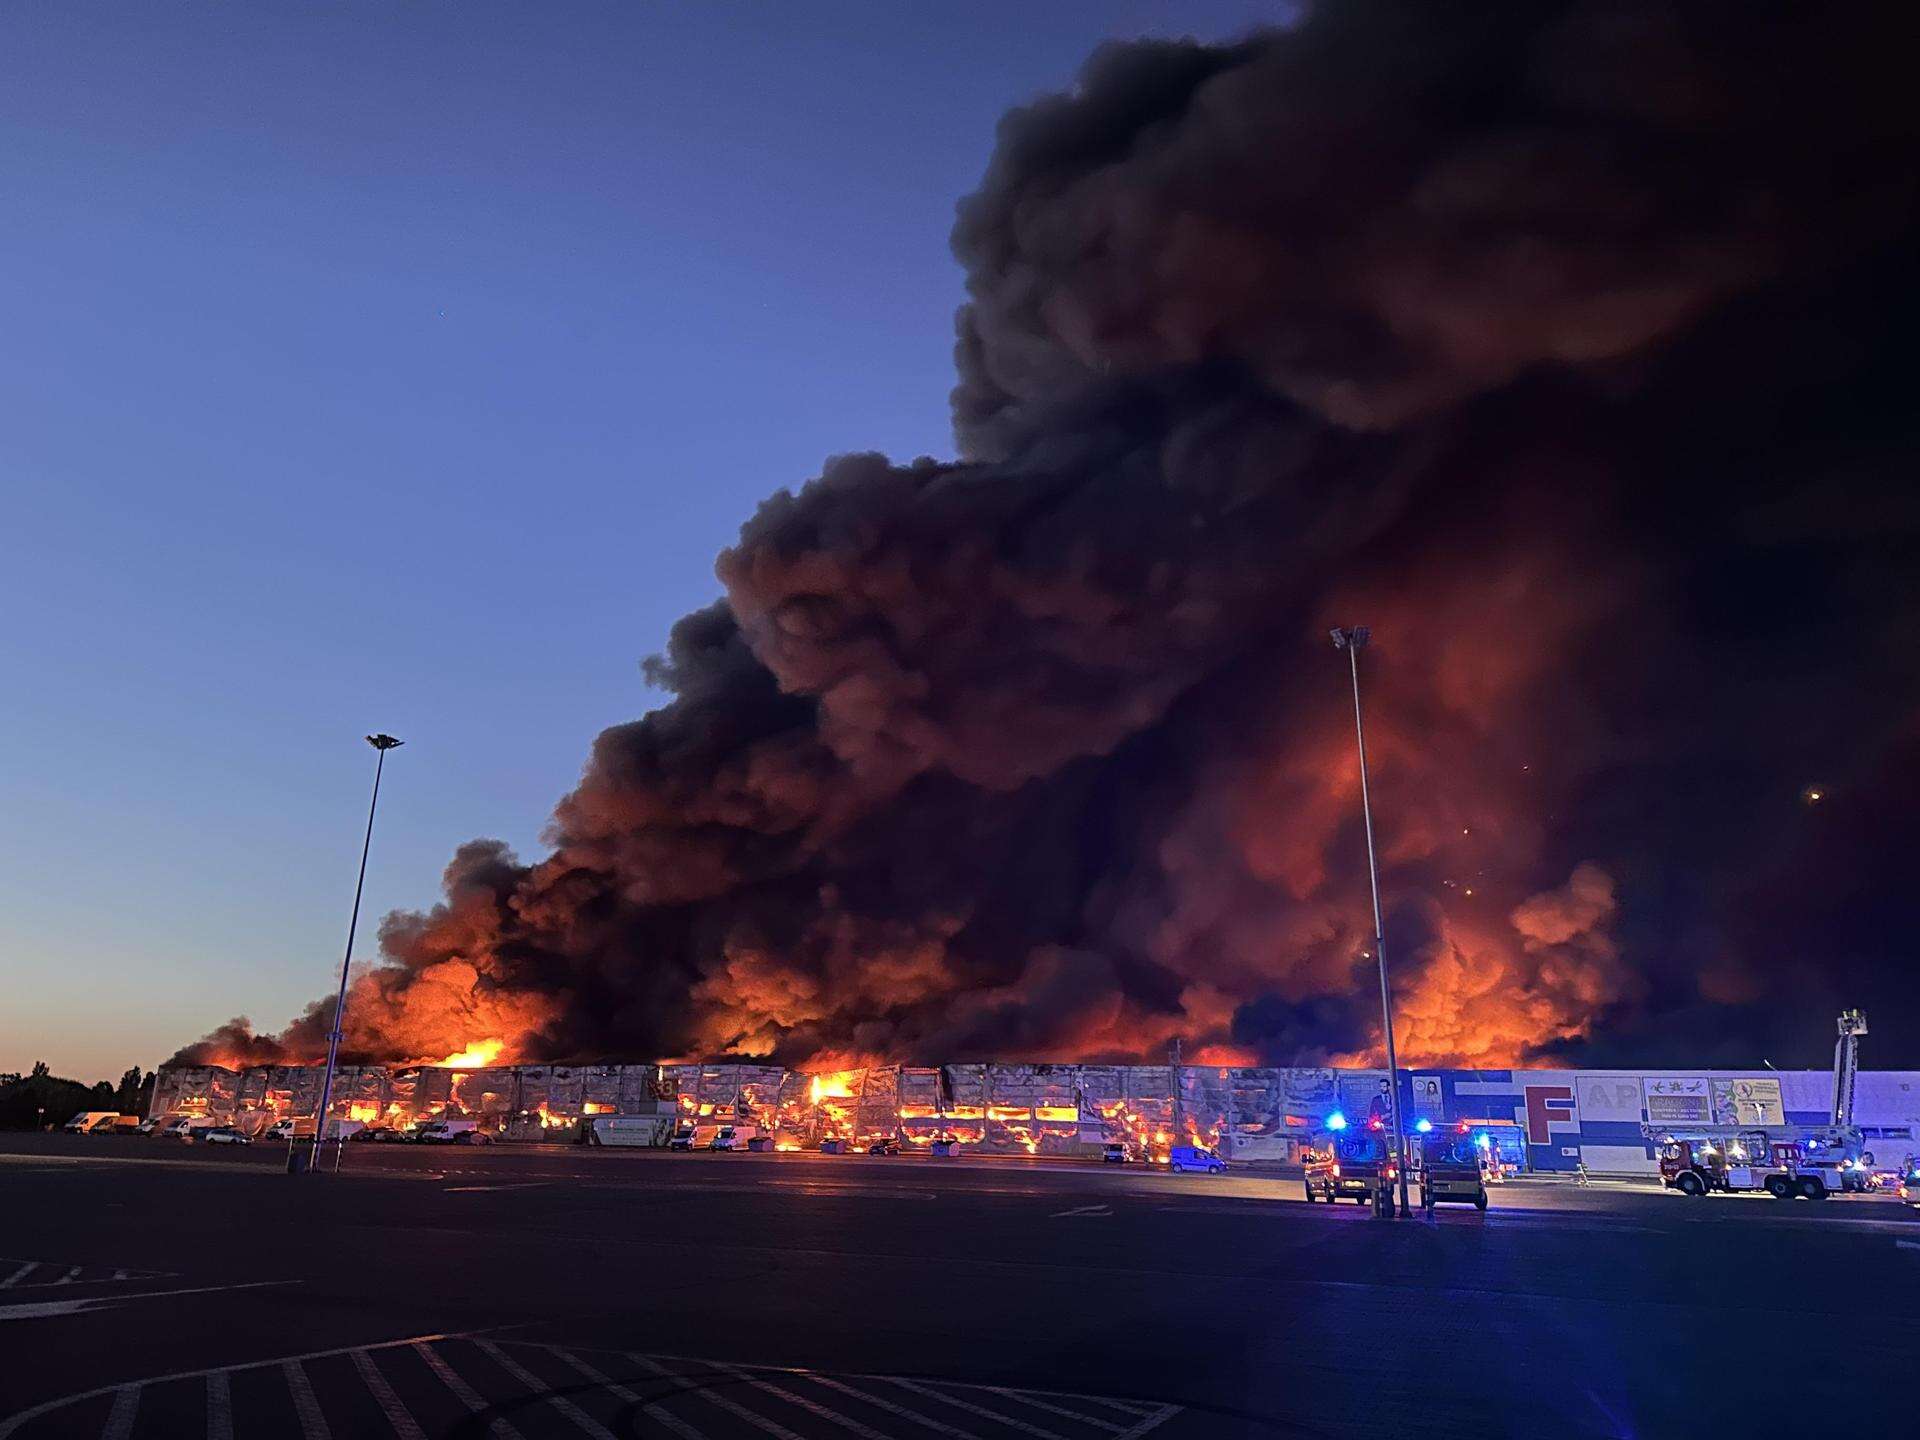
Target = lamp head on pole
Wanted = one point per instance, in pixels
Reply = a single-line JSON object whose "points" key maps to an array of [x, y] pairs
{"points": [[1354, 638], [384, 742]]}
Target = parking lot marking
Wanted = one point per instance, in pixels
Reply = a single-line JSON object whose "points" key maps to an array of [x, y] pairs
{"points": [[653, 1412], [939, 1427], [17, 1276], [44, 1309], [468, 1396], [535, 1385], [219, 1407], [725, 1402], [1039, 1432], [126, 1404], [313, 1421], [398, 1416], [1096, 1211], [812, 1407], [1152, 1422], [1060, 1410]]}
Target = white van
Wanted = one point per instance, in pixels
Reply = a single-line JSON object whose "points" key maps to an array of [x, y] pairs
{"points": [[453, 1132], [91, 1122]]}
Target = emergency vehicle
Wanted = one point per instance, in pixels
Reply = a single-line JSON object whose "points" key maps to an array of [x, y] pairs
{"points": [[1347, 1162], [1452, 1167], [1784, 1164]]}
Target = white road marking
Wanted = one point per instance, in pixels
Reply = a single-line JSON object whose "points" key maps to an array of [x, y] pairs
{"points": [[475, 1189], [536, 1385], [1101, 1211], [984, 1413], [1052, 1409], [814, 1408], [725, 1402], [620, 1392], [17, 1276], [398, 1416], [1908, 1244], [1152, 1422], [12, 1423], [313, 1421], [219, 1407], [73, 1274], [939, 1427], [126, 1404], [468, 1396], [43, 1309]]}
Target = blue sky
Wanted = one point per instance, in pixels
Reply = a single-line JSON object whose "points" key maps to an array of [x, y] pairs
{"points": [[379, 366]]}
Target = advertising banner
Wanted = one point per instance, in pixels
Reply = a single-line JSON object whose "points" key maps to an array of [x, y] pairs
{"points": [[1748, 1102], [1678, 1100]]}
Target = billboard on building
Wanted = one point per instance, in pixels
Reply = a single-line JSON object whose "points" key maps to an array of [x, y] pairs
{"points": [[1678, 1100]]}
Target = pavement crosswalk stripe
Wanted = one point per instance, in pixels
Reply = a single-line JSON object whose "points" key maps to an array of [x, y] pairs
{"points": [[1027, 1398], [126, 1404], [664, 1418], [725, 1402], [939, 1427], [398, 1416], [73, 1274], [17, 1276], [219, 1407], [996, 1416], [469, 1397], [812, 1407], [1152, 1422], [534, 1383], [313, 1421]]}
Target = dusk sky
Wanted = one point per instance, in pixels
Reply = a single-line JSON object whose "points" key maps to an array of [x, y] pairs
{"points": [[408, 374]]}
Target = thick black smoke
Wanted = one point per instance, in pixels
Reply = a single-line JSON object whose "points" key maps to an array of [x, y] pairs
{"points": [[1565, 344]]}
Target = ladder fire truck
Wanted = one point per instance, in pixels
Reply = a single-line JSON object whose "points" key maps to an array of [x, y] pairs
{"points": [[1783, 1160]]}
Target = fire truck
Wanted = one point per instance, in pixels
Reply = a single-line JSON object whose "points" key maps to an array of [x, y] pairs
{"points": [[1784, 1163]]}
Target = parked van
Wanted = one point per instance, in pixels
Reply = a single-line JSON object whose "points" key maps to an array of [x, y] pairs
{"points": [[91, 1122], [453, 1132]]}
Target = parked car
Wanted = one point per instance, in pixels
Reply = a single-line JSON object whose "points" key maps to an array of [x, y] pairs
{"points": [[1195, 1157], [682, 1139], [371, 1133], [1114, 1154], [147, 1127], [452, 1132], [223, 1135], [725, 1138], [888, 1146]]}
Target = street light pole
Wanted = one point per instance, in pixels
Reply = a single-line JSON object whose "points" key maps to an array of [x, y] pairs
{"points": [[381, 743], [1353, 640]]}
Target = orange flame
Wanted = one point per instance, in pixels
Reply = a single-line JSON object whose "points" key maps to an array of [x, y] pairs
{"points": [[477, 1056]]}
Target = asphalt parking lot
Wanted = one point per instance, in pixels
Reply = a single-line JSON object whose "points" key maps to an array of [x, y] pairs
{"points": [[161, 1290]]}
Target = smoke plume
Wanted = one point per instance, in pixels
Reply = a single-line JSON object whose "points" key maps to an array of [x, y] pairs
{"points": [[1559, 343]]}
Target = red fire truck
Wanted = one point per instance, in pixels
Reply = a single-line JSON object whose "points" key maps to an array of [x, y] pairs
{"points": [[1783, 1163]]}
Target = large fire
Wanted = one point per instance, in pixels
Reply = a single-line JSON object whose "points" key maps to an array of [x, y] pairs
{"points": [[1041, 753], [477, 1056]]}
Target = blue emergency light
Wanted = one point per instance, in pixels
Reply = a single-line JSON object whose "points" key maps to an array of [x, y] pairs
{"points": [[1423, 1125], [1336, 1121]]}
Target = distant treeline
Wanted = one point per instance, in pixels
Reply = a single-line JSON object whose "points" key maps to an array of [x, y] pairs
{"points": [[42, 1098]]}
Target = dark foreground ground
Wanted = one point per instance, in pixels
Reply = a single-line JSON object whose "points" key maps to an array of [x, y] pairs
{"points": [[151, 1290]]}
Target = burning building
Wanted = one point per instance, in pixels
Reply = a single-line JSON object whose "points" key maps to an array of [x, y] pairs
{"points": [[1539, 1120], [1560, 342]]}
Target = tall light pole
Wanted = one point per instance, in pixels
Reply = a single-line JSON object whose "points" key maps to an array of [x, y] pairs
{"points": [[381, 743], [1353, 640]]}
